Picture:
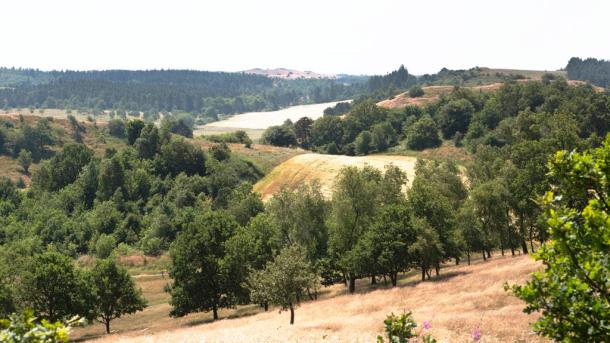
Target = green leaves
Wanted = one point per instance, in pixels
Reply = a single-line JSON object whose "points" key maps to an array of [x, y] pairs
{"points": [[114, 291], [573, 292]]}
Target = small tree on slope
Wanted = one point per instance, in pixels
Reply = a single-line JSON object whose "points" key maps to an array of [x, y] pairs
{"points": [[284, 281]]}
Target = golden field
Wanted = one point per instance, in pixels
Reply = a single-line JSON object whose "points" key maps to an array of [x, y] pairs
{"points": [[305, 168], [460, 300]]}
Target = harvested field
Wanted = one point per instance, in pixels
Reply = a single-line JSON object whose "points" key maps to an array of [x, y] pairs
{"points": [[460, 300], [262, 120], [324, 168]]}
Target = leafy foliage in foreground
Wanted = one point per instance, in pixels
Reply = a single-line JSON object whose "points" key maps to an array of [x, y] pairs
{"points": [[572, 292], [25, 328]]}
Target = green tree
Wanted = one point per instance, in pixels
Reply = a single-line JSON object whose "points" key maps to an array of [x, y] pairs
{"points": [[423, 134], [63, 168], [363, 143], [454, 117], [571, 293], [25, 160], [281, 135], [201, 281], [77, 129], [284, 281], [354, 205], [133, 128], [416, 91], [149, 142], [302, 131], [55, 289], [115, 292], [116, 128]]}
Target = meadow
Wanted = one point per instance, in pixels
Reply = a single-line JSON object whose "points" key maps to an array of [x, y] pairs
{"points": [[462, 299]]}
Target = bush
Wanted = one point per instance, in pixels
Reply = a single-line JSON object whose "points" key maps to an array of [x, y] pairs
{"points": [[279, 136], [116, 128], [104, 246], [416, 91], [399, 328], [423, 134]]}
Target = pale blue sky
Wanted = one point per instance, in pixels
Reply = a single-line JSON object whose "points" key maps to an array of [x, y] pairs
{"points": [[357, 37]]}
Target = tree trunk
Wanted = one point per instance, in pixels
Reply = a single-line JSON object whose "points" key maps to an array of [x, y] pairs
{"points": [[457, 260], [394, 277], [512, 251], [266, 306], [468, 256], [437, 268], [423, 274], [107, 323], [352, 284], [532, 240], [484, 258], [488, 253], [215, 312], [373, 279], [522, 229], [291, 314], [309, 294]]}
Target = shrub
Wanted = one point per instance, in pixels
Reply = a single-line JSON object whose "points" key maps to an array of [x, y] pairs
{"points": [[416, 91], [423, 134], [104, 246], [399, 328]]}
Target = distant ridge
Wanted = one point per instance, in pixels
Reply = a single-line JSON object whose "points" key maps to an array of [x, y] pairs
{"points": [[290, 74]]}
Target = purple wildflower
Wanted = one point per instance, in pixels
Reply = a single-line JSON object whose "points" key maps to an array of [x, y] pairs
{"points": [[427, 325], [476, 335]]}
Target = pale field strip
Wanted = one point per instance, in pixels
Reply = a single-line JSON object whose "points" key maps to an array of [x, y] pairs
{"points": [[263, 120]]}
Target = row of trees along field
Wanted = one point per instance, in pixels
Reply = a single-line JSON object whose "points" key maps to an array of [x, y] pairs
{"points": [[467, 117], [198, 92]]}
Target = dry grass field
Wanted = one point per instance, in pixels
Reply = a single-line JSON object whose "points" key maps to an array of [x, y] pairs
{"points": [[431, 94], [324, 168], [461, 299], [262, 120]]}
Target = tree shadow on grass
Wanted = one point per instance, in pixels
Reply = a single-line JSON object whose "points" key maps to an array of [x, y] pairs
{"points": [[237, 313]]}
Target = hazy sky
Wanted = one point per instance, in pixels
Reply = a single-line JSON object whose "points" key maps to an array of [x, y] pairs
{"points": [[357, 37]]}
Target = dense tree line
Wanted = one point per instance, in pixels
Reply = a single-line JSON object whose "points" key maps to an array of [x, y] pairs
{"points": [[207, 93], [590, 69], [466, 117]]}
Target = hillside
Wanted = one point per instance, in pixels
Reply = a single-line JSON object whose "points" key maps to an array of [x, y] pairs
{"points": [[308, 167], [462, 299]]}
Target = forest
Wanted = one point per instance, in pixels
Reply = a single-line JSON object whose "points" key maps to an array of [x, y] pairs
{"points": [[202, 93], [590, 69]]}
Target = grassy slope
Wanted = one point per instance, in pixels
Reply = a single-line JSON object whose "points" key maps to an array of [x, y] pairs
{"points": [[463, 298], [93, 137], [308, 167]]}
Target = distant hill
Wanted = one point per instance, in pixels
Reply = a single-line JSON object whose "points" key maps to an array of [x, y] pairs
{"points": [[289, 74]]}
